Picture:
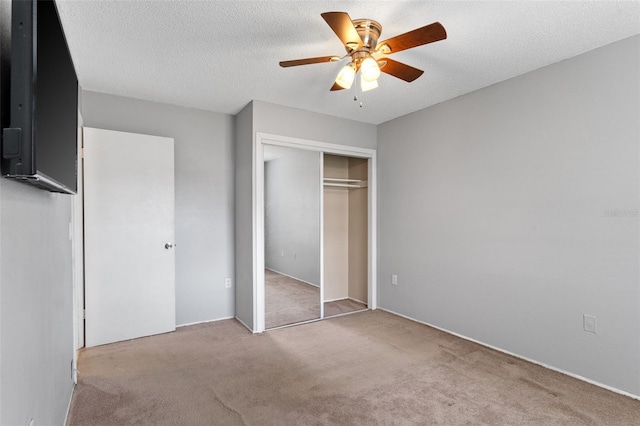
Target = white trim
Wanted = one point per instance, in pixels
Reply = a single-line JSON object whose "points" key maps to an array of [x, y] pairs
{"points": [[77, 252], [372, 294], [258, 215], [321, 236], [204, 322], [332, 148], [346, 298], [524, 358], [258, 236], [66, 416], [336, 299], [292, 277]]}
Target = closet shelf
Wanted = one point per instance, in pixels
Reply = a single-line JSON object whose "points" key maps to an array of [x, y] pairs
{"points": [[345, 183]]}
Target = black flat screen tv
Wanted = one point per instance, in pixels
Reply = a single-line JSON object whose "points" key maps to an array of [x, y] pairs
{"points": [[40, 145]]}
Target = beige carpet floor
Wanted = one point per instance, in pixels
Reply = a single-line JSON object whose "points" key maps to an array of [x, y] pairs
{"points": [[368, 368], [288, 301], [344, 306]]}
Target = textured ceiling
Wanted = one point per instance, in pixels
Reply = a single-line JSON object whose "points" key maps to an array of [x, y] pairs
{"points": [[220, 55]]}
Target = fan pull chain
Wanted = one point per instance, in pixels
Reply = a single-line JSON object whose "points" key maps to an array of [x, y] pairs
{"points": [[355, 90], [355, 97]]}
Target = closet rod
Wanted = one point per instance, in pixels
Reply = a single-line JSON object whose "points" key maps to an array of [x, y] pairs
{"points": [[343, 185]]}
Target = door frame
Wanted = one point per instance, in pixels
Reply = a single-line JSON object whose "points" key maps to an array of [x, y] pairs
{"points": [[258, 216], [77, 238]]}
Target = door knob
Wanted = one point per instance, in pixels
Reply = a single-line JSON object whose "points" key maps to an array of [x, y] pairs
{"points": [[168, 246]]}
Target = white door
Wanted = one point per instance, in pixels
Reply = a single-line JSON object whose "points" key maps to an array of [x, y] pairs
{"points": [[129, 236]]}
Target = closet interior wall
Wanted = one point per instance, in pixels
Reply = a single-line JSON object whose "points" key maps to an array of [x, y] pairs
{"points": [[358, 232], [345, 230]]}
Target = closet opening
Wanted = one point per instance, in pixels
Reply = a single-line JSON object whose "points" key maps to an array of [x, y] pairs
{"points": [[315, 231]]}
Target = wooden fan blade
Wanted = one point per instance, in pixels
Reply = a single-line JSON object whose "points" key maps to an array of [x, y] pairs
{"points": [[418, 37], [402, 71], [341, 24], [308, 61], [335, 87]]}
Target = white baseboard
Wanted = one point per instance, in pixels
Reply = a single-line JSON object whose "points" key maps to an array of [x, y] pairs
{"points": [[291, 276], [66, 416], [533, 361], [204, 322], [335, 300]]}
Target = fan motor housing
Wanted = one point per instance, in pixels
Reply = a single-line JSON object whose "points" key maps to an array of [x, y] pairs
{"points": [[369, 31]]}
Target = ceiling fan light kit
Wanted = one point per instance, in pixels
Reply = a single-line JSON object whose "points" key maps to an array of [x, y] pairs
{"points": [[370, 69], [367, 85], [360, 40], [346, 76]]}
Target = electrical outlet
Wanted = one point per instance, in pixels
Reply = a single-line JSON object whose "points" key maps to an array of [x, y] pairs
{"points": [[394, 279], [282, 253], [227, 283], [590, 323]]}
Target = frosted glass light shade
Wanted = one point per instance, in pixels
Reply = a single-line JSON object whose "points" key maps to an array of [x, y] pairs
{"points": [[346, 76], [367, 85], [370, 69]]}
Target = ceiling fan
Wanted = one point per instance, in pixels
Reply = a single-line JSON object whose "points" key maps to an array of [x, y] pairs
{"points": [[360, 39]]}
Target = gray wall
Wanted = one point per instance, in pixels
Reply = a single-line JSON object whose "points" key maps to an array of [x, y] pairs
{"points": [[36, 312], [203, 194], [510, 212], [244, 215], [36, 305], [5, 69], [297, 123], [292, 213]]}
